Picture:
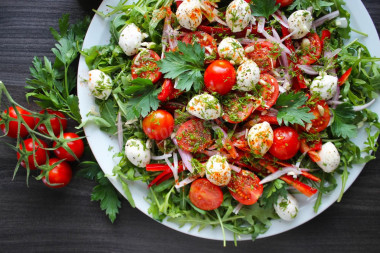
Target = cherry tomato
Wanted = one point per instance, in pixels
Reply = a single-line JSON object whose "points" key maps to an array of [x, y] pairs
{"points": [[269, 91], [168, 91], [321, 113], [311, 53], [77, 147], [56, 123], [237, 107], [245, 187], [264, 53], [61, 174], [158, 125], [192, 136], [13, 124], [40, 153], [284, 3], [144, 65], [220, 77], [206, 41], [205, 195], [285, 143]]}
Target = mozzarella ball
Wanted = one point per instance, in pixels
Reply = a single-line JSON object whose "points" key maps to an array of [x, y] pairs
{"points": [[260, 138], [231, 50], [248, 75], [218, 171], [130, 39], [189, 14], [286, 208], [204, 106], [137, 153], [300, 23], [100, 84], [324, 86], [238, 15], [330, 157]]}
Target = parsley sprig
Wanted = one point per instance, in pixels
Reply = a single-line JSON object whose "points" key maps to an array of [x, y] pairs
{"points": [[264, 8]]}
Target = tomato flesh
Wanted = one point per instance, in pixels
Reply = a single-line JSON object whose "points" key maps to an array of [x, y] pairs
{"points": [[264, 53], [245, 187], [205, 195], [284, 3], [13, 124], [158, 125], [56, 123], [144, 65], [312, 53], [192, 136], [269, 91], [40, 153], [220, 77], [285, 143], [237, 107], [321, 112], [168, 91], [206, 41], [60, 175], [77, 147]]}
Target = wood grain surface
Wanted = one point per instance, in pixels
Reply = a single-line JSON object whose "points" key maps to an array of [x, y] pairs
{"points": [[38, 219]]}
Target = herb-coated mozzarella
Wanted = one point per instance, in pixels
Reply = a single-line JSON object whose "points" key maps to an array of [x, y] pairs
{"points": [[218, 171], [230, 49], [300, 23], [130, 39], [238, 15], [100, 84], [248, 75], [260, 138], [204, 106], [324, 86], [330, 157], [189, 14], [287, 208], [137, 153]]}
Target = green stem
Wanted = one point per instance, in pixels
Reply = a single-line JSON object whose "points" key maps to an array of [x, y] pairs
{"points": [[359, 32], [66, 85]]}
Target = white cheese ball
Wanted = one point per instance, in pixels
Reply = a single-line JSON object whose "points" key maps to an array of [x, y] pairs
{"points": [[189, 14], [260, 138], [248, 75], [100, 84], [286, 208], [300, 23], [324, 86], [130, 39], [218, 171], [204, 106], [231, 50], [330, 157], [238, 15], [137, 153]]}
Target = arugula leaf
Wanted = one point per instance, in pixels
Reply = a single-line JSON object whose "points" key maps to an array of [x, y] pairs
{"points": [[264, 8], [291, 109], [304, 4], [343, 118], [272, 191], [186, 64]]}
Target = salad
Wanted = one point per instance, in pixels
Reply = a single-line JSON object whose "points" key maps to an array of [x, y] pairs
{"points": [[230, 109]]}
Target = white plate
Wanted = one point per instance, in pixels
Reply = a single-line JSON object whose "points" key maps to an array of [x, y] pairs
{"points": [[98, 34]]}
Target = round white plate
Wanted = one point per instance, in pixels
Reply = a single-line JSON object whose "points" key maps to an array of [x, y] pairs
{"points": [[98, 34]]}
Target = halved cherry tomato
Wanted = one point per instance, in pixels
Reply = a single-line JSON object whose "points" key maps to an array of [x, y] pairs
{"points": [[284, 3], [205, 195], [264, 53], [310, 146], [220, 76], [60, 175], [206, 41], [345, 76], [77, 147], [40, 153], [13, 124], [158, 125], [321, 112], [245, 187], [192, 136], [285, 143], [178, 3], [168, 91], [312, 53], [237, 107], [269, 91], [144, 65], [57, 123]]}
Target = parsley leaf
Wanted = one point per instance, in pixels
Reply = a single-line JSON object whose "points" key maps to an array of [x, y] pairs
{"points": [[291, 109], [304, 4], [343, 118], [264, 8], [186, 64], [272, 191]]}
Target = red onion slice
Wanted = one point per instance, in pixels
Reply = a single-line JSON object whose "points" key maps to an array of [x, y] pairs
{"points": [[325, 18], [186, 181], [161, 157], [283, 23], [173, 169], [362, 107], [235, 168], [281, 172], [237, 208], [308, 69], [185, 156]]}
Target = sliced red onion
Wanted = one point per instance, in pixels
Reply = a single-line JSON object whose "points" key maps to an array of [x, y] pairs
{"points": [[246, 41], [330, 55], [161, 157], [175, 160], [275, 34], [270, 38], [186, 181], [298, 163], [281, 89], [119, 131], [280, 173], [283, 23], [260, 26], [283, 17], [365, 106], [235, 168], [173, 169], [215, 128], [185, 156], [325, 18], [310, 9], [288, 36], [330, 102], [210, 152], [336, 96], [240, 134], [308, 70], [237, 208]]}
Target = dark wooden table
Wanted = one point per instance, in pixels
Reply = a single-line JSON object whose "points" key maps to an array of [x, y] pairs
{"points": [[38, 219]]}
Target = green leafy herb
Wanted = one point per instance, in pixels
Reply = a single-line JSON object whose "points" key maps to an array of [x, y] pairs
{"points": [[272, 191], [304, 4], [343, 118], [264, 8]]}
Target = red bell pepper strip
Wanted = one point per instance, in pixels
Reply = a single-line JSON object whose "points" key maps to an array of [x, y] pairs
{"points": [[326, 34], [311, 151], [247, 166], [304, 173], [344, 77], [157, 167], [165, 175], [158, 178]]}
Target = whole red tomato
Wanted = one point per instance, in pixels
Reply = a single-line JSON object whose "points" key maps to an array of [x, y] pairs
{"points": [[60, 175], [285, 143], [285, 3], [220, 77], [76, 146], [40, 153], [13, 125], [56, 123], [158, 125]]}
